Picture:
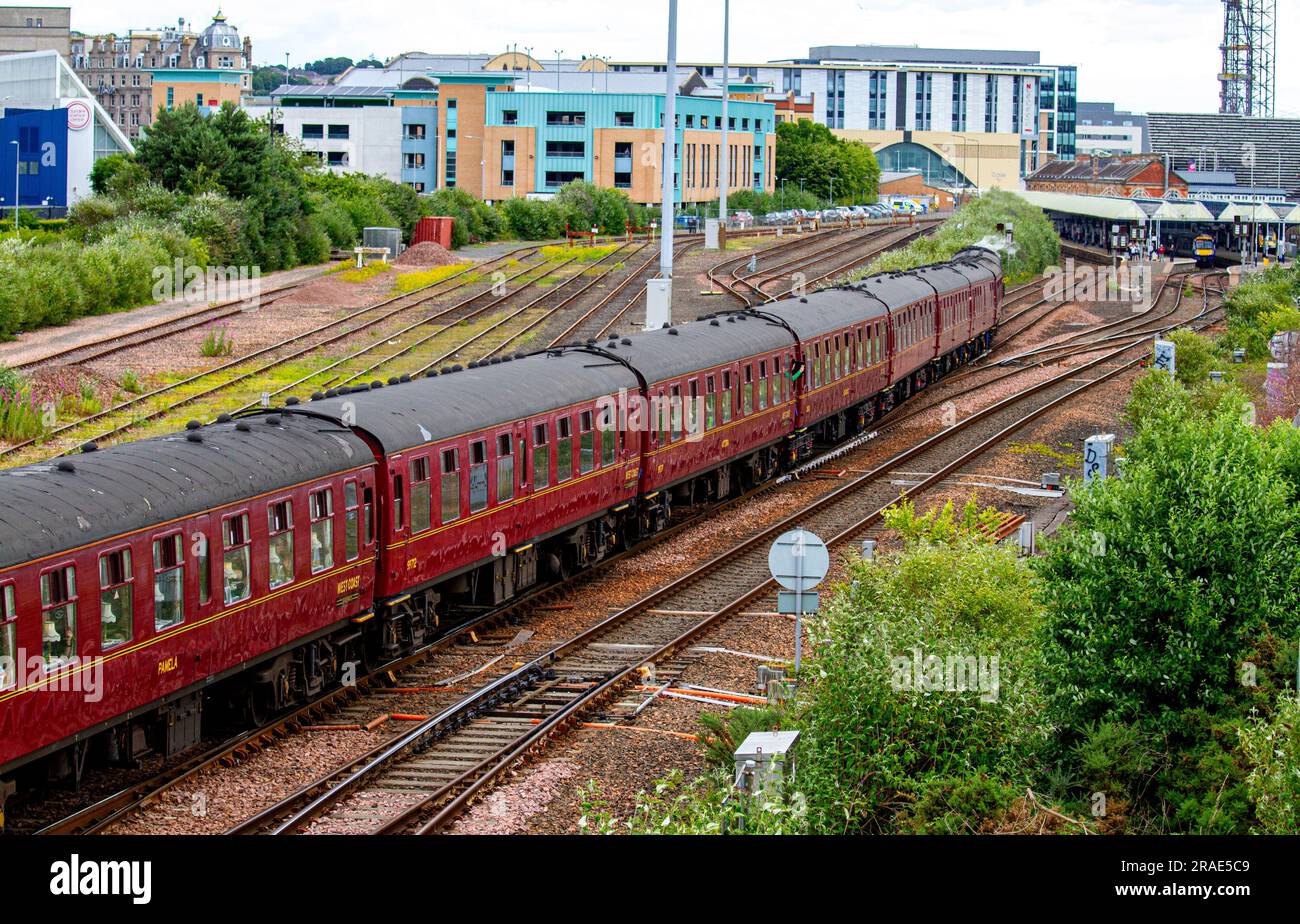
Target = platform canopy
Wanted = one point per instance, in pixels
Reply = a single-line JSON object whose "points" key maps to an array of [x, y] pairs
{"points": [[1245, 211], [1182, 210], [1104, 207]]}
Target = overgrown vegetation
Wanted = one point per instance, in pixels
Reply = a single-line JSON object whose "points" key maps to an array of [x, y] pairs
{"points": [[1138, 678], [1172, 602], [1036, 245], [1259, 308]]}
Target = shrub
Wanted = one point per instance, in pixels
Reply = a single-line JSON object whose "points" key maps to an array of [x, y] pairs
{"points": [[1037, 245], [1272, 751], [531, 219], [1164, 579], [216, 343], [1196, 357], [873, 735]]}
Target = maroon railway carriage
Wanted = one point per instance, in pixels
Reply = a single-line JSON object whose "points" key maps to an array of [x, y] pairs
{"points": [[134, 577], [720, 406], [495, 479], [249, 561]]}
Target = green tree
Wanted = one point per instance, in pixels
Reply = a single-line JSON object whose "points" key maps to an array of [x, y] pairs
{"points": [[810, 154]]}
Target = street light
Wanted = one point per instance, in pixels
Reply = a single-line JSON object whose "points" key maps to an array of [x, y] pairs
{"points": [[558, 53], [17, 176]]}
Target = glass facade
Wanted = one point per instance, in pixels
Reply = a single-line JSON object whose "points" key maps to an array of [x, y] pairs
{"points": [[909, 156]]}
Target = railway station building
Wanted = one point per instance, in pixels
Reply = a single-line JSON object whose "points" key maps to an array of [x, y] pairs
{"points": [[1244, 232]]}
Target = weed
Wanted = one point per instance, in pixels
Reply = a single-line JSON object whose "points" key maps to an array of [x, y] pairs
{"points": [[217, 343]]}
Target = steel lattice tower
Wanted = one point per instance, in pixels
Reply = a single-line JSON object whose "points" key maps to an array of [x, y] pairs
{"points": [[1248, 77]]}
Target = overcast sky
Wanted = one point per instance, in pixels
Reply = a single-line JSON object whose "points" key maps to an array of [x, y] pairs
{"points": [[1145, 55]]}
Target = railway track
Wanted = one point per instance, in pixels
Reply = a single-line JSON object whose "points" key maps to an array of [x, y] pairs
{"points": [[279, 816], [419, 783], [145, 407], [104, 347]]}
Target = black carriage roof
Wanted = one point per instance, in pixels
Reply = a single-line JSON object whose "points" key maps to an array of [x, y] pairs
{"points": [[438, 407], [45, 509], [826, 310], [982, 261], [668, 353], [895, 289]]}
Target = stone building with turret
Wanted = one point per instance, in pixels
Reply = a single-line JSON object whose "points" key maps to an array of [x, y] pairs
{"points": [[126, 72]]}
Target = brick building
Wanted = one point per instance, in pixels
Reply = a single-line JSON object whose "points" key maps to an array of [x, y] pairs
{"points": [[121, 70], [1125, 176]]}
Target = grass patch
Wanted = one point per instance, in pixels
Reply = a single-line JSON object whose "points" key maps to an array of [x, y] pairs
{"points": [[1071, 458], [559, 252], [365, 273], [409, 282]]}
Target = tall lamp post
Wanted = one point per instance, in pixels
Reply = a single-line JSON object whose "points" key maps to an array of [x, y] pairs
{"points": [[724, 169], [659, 291]]}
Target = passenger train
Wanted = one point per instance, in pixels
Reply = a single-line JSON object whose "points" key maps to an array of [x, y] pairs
{"points": [[245, 563]]}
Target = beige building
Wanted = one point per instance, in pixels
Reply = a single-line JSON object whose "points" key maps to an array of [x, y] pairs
{"points": [[34, 28], [119, 69]]}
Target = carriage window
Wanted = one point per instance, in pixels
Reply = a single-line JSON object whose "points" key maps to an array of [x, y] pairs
{"points": [[564, 450], [279, 546], [235, 567], [505, 469], [541, 457], [817, 365], [710, 404], [826, 360], [351, 522], [168, 583], [692, 408], [586, 444], [747, 401], [421, 518], [608, 436], [398, 519], [368, 514], [320, 507], [762, 383], [847, 357], [59, 615], [726, 395], [203, 561], [675, 412], [478, 476], [835, 359], [450, 484], [8, 637], [862, 355], [116, 586]]}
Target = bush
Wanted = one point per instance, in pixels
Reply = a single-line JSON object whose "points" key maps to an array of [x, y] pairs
{"points": [[1196, 357], [531, 219], [1272, 750], [1037, 245], [1165, 578], [874, 736]]}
